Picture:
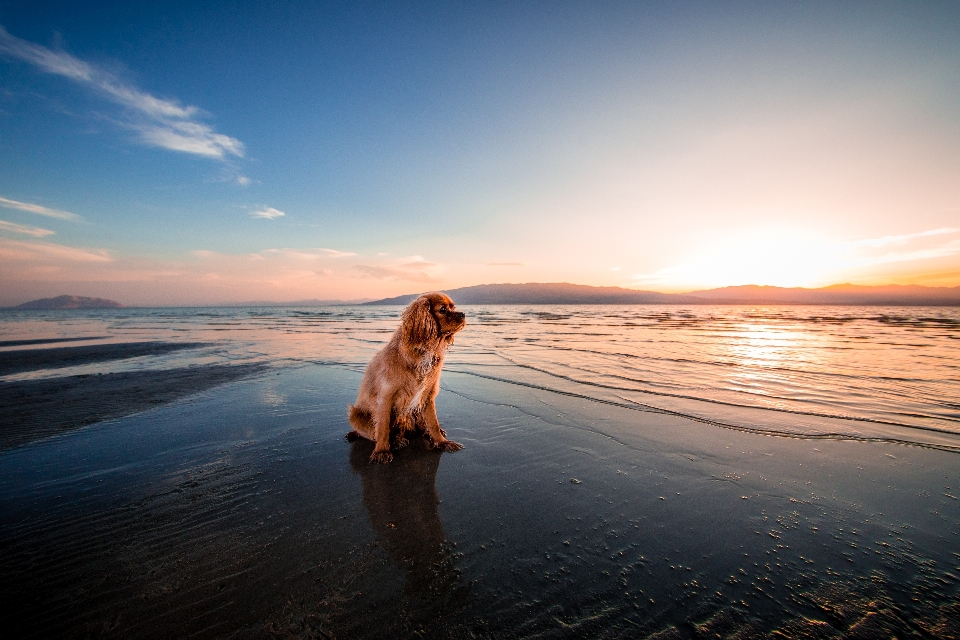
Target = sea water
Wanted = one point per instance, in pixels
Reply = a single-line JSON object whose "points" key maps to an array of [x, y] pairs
{"points": [[872, 373]]}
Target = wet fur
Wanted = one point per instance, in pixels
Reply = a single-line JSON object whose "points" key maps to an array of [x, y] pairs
{"points": [[398, 391]]}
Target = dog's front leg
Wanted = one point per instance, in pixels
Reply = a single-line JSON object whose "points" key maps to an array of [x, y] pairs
{"points": [[381, 430], [432, 424]]}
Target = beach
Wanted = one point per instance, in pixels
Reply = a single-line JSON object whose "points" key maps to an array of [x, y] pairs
{"points": [[233, 506]]}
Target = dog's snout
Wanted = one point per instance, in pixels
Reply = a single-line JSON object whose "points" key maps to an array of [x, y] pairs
{"points": [[460, 316]]}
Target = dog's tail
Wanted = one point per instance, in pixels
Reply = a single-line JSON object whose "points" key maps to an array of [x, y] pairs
{"points": [[362, 423], [360, 419]]}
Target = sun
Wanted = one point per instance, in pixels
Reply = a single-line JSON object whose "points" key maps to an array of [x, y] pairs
{"points": [[781, 258]]}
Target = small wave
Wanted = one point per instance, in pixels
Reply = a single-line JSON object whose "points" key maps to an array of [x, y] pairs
{"points": [[626, 403]]}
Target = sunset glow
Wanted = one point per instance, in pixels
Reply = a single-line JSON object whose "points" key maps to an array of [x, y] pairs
{"points": [[796, 259], [361, 155], [778, 259]]}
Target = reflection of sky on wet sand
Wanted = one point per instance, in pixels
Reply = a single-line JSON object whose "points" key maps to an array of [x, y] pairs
{"points": [[232, 512]]}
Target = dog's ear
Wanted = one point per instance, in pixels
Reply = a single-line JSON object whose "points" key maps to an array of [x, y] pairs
{"points": [[418, 324]]}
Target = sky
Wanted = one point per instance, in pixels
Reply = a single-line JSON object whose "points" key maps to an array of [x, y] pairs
{"points": [[205, 153]]}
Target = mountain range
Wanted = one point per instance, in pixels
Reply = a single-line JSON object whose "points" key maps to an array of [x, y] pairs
{"points": [[70, 302], [565, 293]]}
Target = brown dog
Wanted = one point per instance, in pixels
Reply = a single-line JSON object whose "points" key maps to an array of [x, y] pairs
{"points": [[401, 383]]}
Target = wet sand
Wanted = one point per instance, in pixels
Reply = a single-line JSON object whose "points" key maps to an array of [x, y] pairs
{"points": [[17, 361], [34, 341], [35, 409], [241, 512]]}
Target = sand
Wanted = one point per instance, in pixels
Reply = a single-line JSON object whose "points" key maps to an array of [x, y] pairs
{"points": [[35, 409], [16, 361], [240, 511]]}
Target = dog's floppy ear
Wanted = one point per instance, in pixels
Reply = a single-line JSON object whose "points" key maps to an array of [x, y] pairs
{"points": [[419, 325]]}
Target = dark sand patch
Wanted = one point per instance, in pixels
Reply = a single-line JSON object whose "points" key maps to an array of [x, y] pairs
{"points": [[35, 409], [244, 514], [23, 343], [33, 359]]}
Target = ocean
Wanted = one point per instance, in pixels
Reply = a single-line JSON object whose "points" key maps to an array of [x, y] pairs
{"points": [[846, 372]]}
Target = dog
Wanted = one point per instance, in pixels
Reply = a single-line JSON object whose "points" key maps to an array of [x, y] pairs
{"points": [[401, 383]]}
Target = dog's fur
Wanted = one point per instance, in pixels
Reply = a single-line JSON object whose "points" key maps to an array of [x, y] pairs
{"points": [[401, 383]]}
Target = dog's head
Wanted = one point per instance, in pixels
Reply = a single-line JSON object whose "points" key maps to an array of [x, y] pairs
{"points": [[431, 316]]}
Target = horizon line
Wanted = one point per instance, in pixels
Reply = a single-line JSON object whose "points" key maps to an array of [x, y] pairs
{"points": [[367, 300]]}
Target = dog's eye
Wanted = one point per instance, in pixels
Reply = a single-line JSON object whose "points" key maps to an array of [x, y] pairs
{"points": [[443, 308]]}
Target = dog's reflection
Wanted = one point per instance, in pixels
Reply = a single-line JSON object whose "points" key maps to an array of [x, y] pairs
{"points": [[403, 504]]}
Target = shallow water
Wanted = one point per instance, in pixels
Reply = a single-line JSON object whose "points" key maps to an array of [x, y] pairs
{"points": [[888, 373]]}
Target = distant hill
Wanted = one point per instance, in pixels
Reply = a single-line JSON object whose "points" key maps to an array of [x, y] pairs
{"points": [[69, 302], [549, 293], [844, 294], [564, 293]]}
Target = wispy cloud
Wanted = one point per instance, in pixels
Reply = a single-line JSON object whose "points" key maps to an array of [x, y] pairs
{"points": [[901, 239], [393, 273], [928, 253], [13, 227], [299, 254], [31, 266], [268, 213], [189, 137], [408, 269], [37, 209], [160, 122], [333, 253], [17, 250]]}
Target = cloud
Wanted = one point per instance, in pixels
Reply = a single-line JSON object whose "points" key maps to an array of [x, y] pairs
{"points": [[505, 264], [333, 253], [36, 232], [19, 251], [942, 251], [888, 240], [393, 273], [189, 137], [243, 181], [160, 122], [37, 209], [267, 212], [32, 268], [299, 254]]}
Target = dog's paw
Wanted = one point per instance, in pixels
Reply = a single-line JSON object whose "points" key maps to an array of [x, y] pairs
{"points": [[381, 457], [353, 436], [400, 443], [448, 445]]}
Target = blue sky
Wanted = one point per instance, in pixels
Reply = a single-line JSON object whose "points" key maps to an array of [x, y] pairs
{"points": [[412, 146]]}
